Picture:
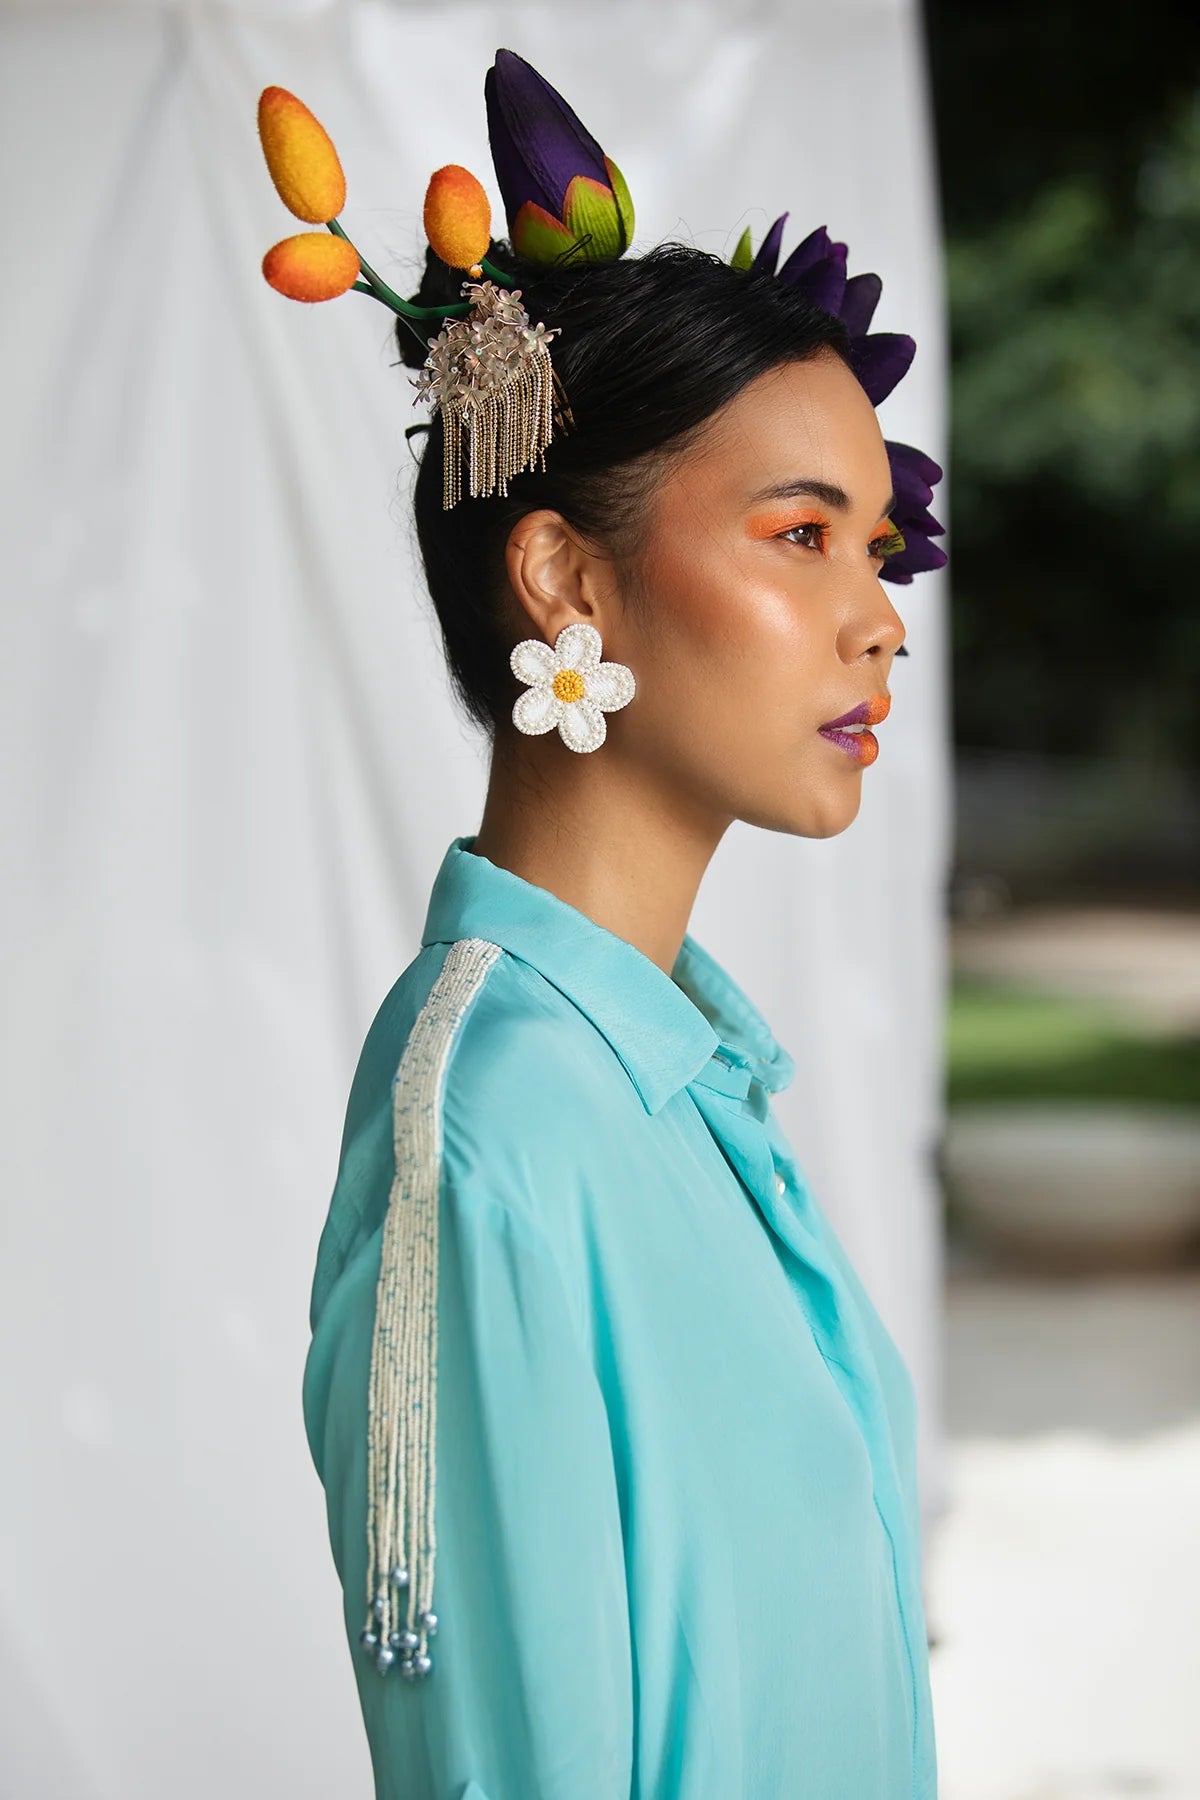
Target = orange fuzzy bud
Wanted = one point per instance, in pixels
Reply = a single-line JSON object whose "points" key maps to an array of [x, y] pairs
{"points": [[458, 218], [301, 158], [313, 265]]}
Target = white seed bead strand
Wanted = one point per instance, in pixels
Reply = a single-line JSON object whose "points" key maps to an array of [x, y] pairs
{"points": [[402, 1397]]}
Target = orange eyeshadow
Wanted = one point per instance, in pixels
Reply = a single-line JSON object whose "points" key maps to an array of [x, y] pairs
{"points": [[765, 525]]}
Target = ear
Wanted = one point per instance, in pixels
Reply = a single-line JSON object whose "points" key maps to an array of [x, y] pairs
{"points": [[556, 577]]}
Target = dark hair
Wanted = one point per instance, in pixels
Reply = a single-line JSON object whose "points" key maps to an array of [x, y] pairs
{"points": [[651, 348]]}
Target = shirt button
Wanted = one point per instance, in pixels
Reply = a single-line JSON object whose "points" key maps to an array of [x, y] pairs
{"points": [[780, 1184]]}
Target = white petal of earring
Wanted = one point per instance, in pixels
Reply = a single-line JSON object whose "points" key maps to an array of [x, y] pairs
{"points": [[569, 687]]}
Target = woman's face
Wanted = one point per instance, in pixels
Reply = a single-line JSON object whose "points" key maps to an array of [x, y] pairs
{"points": [[763, 616]]}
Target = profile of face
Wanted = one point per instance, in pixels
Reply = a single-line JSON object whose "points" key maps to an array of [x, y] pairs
{"points": [[757, 615]]}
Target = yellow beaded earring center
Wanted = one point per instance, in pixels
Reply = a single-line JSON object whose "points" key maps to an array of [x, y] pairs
{"points": [[568, 685]]}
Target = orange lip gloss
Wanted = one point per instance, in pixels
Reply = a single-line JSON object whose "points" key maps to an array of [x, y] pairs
{"points": [[862, 746]]}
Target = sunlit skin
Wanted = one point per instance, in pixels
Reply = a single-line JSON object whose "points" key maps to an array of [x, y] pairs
{"points": [[751, 618]]}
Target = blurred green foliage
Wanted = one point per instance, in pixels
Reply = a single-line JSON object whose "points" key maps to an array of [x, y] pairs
{"points": [[1007, 1043], [1070, 169]]}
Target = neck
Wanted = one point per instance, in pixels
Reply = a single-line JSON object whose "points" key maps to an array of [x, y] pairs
{"points": [[606, 838]]}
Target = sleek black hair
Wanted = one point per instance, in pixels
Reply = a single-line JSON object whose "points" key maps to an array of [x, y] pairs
{"points": [[650, 348]]}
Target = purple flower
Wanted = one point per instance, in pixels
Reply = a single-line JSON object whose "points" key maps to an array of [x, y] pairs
{"points": [[563, 197], [914, 476], [880, 359]]}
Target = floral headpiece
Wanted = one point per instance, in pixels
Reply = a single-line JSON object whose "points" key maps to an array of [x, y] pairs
{"points": [[489, 371], [489, 374]]}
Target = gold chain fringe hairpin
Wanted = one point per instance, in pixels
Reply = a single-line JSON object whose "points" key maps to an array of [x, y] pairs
{"points": [[490, 376], [488, 372]]}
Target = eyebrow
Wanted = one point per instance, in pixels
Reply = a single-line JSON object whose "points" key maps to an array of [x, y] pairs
{"points": [[833, 496]]}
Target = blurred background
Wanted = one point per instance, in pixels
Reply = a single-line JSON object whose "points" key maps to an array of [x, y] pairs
{"points": [[1066, 1571], [232, 767]]}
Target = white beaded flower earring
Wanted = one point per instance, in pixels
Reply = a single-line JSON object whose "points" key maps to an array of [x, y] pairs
{"points": [[569, 687]]}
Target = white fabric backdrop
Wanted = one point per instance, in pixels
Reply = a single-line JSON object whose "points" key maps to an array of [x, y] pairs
{"points": [[232, 767]]}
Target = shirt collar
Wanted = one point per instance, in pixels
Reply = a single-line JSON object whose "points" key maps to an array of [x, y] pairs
{"points": [[664, 1028]]}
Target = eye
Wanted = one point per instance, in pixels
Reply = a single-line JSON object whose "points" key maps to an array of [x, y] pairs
{"points": [[813, 525], [890, 543]]}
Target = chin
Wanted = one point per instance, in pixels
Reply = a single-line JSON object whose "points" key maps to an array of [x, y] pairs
{"points": [[831, 822], [812, 818]]}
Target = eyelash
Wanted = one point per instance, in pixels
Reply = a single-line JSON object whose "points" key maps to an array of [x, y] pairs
{"points": [[889, 543]]}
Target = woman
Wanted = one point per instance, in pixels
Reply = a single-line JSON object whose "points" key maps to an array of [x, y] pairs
{"points": [[584, 1343]]}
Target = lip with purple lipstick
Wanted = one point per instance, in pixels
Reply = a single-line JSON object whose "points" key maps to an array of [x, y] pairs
{"points": [[850, 732]]}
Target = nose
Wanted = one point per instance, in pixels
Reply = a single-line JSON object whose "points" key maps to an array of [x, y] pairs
{"points": [[874, 628]]}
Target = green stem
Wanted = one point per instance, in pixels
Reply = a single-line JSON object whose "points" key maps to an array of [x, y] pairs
{"points": [[364, 287], [381, 291]]}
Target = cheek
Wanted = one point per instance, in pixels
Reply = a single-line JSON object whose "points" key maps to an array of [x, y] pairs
{"points": [[729, 633], [718, 603]]}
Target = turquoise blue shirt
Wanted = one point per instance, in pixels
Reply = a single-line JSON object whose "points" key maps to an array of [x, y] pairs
{"points": [[678, 1537]]}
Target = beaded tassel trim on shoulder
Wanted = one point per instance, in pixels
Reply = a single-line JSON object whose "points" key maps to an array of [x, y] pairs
{"points": [[402, 1403]]}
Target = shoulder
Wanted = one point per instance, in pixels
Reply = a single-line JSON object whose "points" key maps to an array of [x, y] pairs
{"points": [[524, 1051], [476, 1060], [493, 1046], [531, 1091]]}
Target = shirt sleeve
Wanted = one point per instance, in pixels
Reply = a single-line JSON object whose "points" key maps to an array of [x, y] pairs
{"points": [[530, 1693]]}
